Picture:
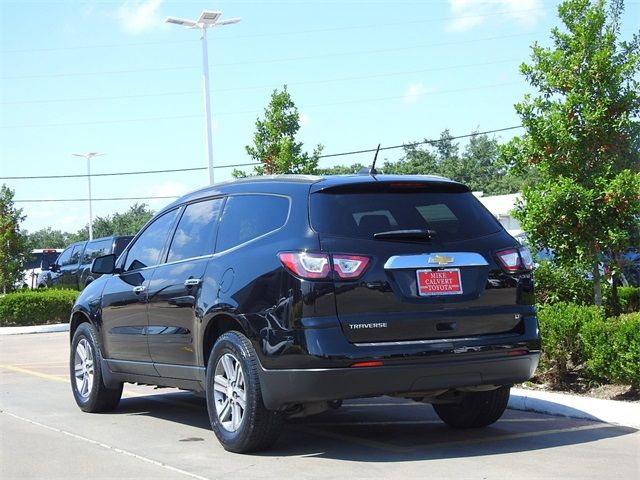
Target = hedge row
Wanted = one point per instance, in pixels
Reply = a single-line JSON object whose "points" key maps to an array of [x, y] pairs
{"points": [[36, 307], [554, 284], [581, 340]]}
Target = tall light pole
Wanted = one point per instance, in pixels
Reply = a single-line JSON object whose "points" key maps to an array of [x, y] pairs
{"points": [[207, 19], [89, 156]]}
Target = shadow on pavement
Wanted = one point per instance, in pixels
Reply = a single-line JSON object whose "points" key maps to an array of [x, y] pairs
{"points": [[388, 430]]}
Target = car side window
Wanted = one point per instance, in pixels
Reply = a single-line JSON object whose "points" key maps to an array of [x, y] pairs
{"points": [[247, 217], [64, 257], [75, 255], [195, 234], [146, 250], [96, 249]]}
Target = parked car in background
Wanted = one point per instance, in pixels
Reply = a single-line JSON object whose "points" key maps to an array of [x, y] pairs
{"points": [[281, 296], [33, 267], [72, 269]]}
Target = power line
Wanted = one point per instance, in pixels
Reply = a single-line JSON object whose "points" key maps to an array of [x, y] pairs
{"points": [[143, 172], [273, 34], [267, 61], [341, 154], [117, 174], [103, 122], [246, 112], [260, 87], [424, 142], [48, 200]]}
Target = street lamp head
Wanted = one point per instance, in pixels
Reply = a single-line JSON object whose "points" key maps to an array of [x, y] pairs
{"points": [[209, 18], [181, 21], [228, 21], [87, 155]]}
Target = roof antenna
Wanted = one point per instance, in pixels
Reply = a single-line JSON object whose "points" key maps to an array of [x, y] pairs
{"points": [[371, 171]]}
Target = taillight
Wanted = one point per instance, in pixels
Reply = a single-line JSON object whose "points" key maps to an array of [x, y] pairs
{"points": [[515, 260], [306, 265], [349, 266], [315, 266], [367, 364]]}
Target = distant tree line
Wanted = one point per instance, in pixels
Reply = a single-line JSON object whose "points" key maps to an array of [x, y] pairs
{"points": [[478, 166], [126, 223]]}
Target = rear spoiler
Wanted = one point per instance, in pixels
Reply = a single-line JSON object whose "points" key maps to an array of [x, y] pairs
{"points": [[388, 185]]}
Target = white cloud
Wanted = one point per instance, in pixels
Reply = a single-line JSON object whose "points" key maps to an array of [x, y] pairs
{"points": [[305, 119], [471, 13], [136, 16], [413, 93]]}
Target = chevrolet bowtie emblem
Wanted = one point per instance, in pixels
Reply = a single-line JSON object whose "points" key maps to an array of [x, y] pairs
{"points": [[441, 259]]}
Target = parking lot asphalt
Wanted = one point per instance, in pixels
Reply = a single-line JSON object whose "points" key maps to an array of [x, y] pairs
{"points": [[165, 433]]}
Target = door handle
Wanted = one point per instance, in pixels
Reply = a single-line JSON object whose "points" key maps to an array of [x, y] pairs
{"points": [[139, 289], [192, 282]]}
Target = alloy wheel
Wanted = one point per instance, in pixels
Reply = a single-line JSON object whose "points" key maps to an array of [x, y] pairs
{"points": [[84, 368], [229, 392]]}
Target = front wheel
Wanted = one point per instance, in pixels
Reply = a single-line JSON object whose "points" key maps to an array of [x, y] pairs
{"points": [[477, 409], [234, 399], [89, 390]]}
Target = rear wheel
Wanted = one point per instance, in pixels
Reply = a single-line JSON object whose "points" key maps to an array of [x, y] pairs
{"points": [[89, 390], [234, 399], [477, 409]]}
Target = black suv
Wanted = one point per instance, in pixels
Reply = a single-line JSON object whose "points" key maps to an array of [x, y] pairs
{"points": [[282, 296], [72, 269]]}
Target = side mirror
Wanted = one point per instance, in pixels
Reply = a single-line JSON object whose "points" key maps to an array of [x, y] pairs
{"points": [[45, 266], [54, 268], [105, 264]]}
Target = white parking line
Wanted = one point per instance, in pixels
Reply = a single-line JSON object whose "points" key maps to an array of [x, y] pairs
{"points": [[108, 447]]}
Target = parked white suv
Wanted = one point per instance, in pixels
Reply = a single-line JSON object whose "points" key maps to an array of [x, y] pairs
{"points": [[33, 267]]}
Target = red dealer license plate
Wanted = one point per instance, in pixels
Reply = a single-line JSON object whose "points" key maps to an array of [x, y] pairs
{"points": [[439, 282]]}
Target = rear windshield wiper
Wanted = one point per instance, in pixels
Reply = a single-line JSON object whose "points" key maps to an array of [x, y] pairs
{"points": [[412, 234]]}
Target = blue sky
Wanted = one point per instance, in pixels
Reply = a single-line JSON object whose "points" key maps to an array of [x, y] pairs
{"points": [[112, 77]]}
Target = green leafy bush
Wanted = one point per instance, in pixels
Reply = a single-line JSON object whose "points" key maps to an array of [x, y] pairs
{"points": [[555, 284], [560, 330], [36, 307], [612, 349], [629, 298]]}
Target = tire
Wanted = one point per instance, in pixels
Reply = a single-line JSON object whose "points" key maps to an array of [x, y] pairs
{"points": [[241, 424], [477, 409], [85, 370]]}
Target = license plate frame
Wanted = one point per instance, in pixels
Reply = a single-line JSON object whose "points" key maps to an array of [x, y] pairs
{"points": [[438, 282]]}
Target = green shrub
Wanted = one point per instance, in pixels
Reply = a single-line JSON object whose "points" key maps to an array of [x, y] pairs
{"points": [[560, 330], [629, 298], [555, 284], [612, 349], [36, 307]]}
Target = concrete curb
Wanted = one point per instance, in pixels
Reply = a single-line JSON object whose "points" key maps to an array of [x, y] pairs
{"points": [[609, 411], [60, 327]]}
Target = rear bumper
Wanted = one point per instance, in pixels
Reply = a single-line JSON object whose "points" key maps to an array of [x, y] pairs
{"points": [[285, 387]]}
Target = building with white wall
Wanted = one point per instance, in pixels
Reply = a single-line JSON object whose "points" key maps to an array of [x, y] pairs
{"points": [[501, 206]]}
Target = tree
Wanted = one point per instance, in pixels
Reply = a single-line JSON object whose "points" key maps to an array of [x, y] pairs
{"points": [[48, 238], [13, 243], [127, 223], [416, 161], [582, 134], [341, 169], [446, 148], [274, 144]]}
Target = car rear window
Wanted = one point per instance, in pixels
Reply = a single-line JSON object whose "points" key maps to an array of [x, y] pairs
{"points": [[96, 249], [453, 215], [247, 217]]}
